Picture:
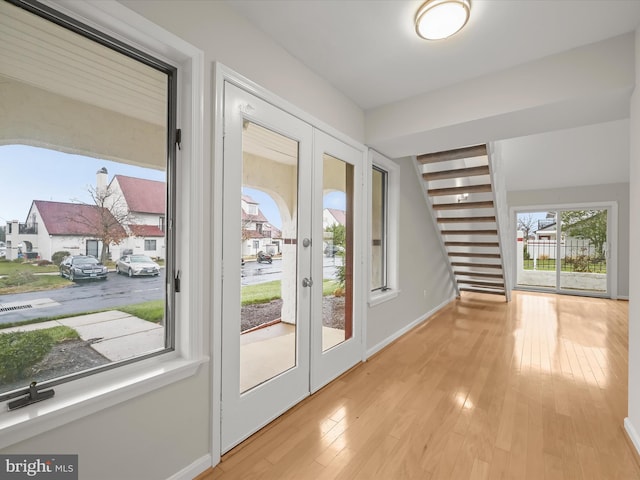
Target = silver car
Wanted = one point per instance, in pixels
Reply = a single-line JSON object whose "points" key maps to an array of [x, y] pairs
{"points": [[135, 265]]}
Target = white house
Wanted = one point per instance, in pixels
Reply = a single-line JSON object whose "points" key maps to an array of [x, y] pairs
{"points": [[257, 233], [53, 227]]}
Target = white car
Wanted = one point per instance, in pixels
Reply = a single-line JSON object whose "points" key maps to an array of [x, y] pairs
{"points": [[135, 265]]}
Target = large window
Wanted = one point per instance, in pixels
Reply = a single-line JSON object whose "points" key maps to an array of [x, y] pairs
{"points": [[87, 161], [384, 187]]}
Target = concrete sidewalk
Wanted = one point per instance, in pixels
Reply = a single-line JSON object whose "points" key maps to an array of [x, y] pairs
{"points": [[114, 334]]}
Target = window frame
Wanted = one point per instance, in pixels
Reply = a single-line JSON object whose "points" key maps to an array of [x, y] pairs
{"points": [[391, 215], [91, 393]]}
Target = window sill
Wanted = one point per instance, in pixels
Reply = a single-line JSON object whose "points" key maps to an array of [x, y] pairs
{"points": [[380, 297], [88, 395]]}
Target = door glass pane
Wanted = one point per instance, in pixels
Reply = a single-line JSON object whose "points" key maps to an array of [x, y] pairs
{"points": [[583, 250], [536, 249], [269, 255], [337, 271]]}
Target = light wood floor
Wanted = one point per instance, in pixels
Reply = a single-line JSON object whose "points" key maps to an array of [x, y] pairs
{"points": [[533, 389]]}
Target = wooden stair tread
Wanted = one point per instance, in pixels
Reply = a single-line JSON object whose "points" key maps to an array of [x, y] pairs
{"points": [[466, 219], [477, 274], [462, 205], [471, 244], [485, 187], [469, 232], [476, 265], [457, 154], [481, 284], [477, 290], [474, 255], [457, 173]]}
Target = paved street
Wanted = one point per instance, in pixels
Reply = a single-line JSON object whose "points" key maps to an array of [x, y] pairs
{"points": [[119, 290], [83, 296]]}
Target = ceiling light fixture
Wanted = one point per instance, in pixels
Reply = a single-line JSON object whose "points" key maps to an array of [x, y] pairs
{"points": [[438, 19]]}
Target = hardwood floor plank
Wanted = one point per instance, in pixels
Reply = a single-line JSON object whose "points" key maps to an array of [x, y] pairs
{"points": [[531, 389]]}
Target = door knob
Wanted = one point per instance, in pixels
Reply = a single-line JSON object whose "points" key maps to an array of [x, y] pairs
{"points": [[307, 282]]}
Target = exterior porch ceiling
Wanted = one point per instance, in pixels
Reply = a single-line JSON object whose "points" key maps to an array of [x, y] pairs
{"points": [[42, 54]]}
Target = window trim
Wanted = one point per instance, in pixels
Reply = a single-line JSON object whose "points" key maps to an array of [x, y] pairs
{"points": [[392, 170], [89, 394]]}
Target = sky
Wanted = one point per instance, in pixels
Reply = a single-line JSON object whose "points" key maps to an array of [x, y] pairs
{"points": [[270, 210], [31, 173]]}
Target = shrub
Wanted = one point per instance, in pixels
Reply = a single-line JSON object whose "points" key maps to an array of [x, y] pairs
{"points": [[543, 256], [580, 263], [43, 263], [20, 351], [59, 256]]}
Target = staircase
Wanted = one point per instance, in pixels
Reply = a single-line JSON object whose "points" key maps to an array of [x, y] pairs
{"points": [[459, 189]]}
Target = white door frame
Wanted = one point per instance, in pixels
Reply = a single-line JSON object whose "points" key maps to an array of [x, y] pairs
{"points": [[221, 75]]}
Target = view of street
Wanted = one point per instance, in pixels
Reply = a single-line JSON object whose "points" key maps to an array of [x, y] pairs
{"points": [[85, 296]]}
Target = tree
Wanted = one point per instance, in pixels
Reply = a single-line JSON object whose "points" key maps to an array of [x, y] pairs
{"points": [[3, 234], [338, 234], [587, 224], [106, 217], [526, 223]]}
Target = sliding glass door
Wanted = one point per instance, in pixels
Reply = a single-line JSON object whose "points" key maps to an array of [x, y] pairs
{"points": [[565, 250]]}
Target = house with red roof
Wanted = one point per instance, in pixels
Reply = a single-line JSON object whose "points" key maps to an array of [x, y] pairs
{"points": [[145, 202], [58, 226]]}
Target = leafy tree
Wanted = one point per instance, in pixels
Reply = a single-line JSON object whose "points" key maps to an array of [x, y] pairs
{"points": [[587, 224], [339, 234]]}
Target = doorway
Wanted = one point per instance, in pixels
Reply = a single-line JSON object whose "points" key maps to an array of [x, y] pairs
{"points": [[566, 250], [289, 311]]}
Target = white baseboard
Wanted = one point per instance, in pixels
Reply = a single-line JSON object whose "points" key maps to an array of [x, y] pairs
{"points": [[412, 325], [192, 471], [633, 435], [622, 297]]}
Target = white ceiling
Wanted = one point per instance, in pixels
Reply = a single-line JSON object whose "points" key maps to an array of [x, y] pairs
{"points": [[369, 51]]}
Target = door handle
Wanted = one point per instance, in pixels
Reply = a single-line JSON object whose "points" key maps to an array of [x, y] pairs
{"points": [[307, 282]]}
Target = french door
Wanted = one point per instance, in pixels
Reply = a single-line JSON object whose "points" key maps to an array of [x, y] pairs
{"points": [[290, 306]]}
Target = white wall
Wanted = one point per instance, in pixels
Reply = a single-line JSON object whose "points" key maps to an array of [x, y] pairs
{"points": [[421, 263], [587, 155], [587, 85], [615, 192], [632, 423]]}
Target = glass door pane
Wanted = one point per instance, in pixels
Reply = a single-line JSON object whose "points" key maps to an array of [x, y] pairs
{"points": [[583, 249], [269, 255], [536, 249], [337, 271]]}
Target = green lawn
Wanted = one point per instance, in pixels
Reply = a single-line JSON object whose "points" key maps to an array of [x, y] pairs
{"points": [[152, 311], [7, 268], [265, 292], [22, 282]]}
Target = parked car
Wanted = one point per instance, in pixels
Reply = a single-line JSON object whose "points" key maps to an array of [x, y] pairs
{"points": [[135, 265], [333, 250], [82, 267], [263, 257]]}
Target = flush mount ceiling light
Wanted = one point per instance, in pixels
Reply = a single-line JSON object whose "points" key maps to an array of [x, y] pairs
{"points": [[438, 19]]}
